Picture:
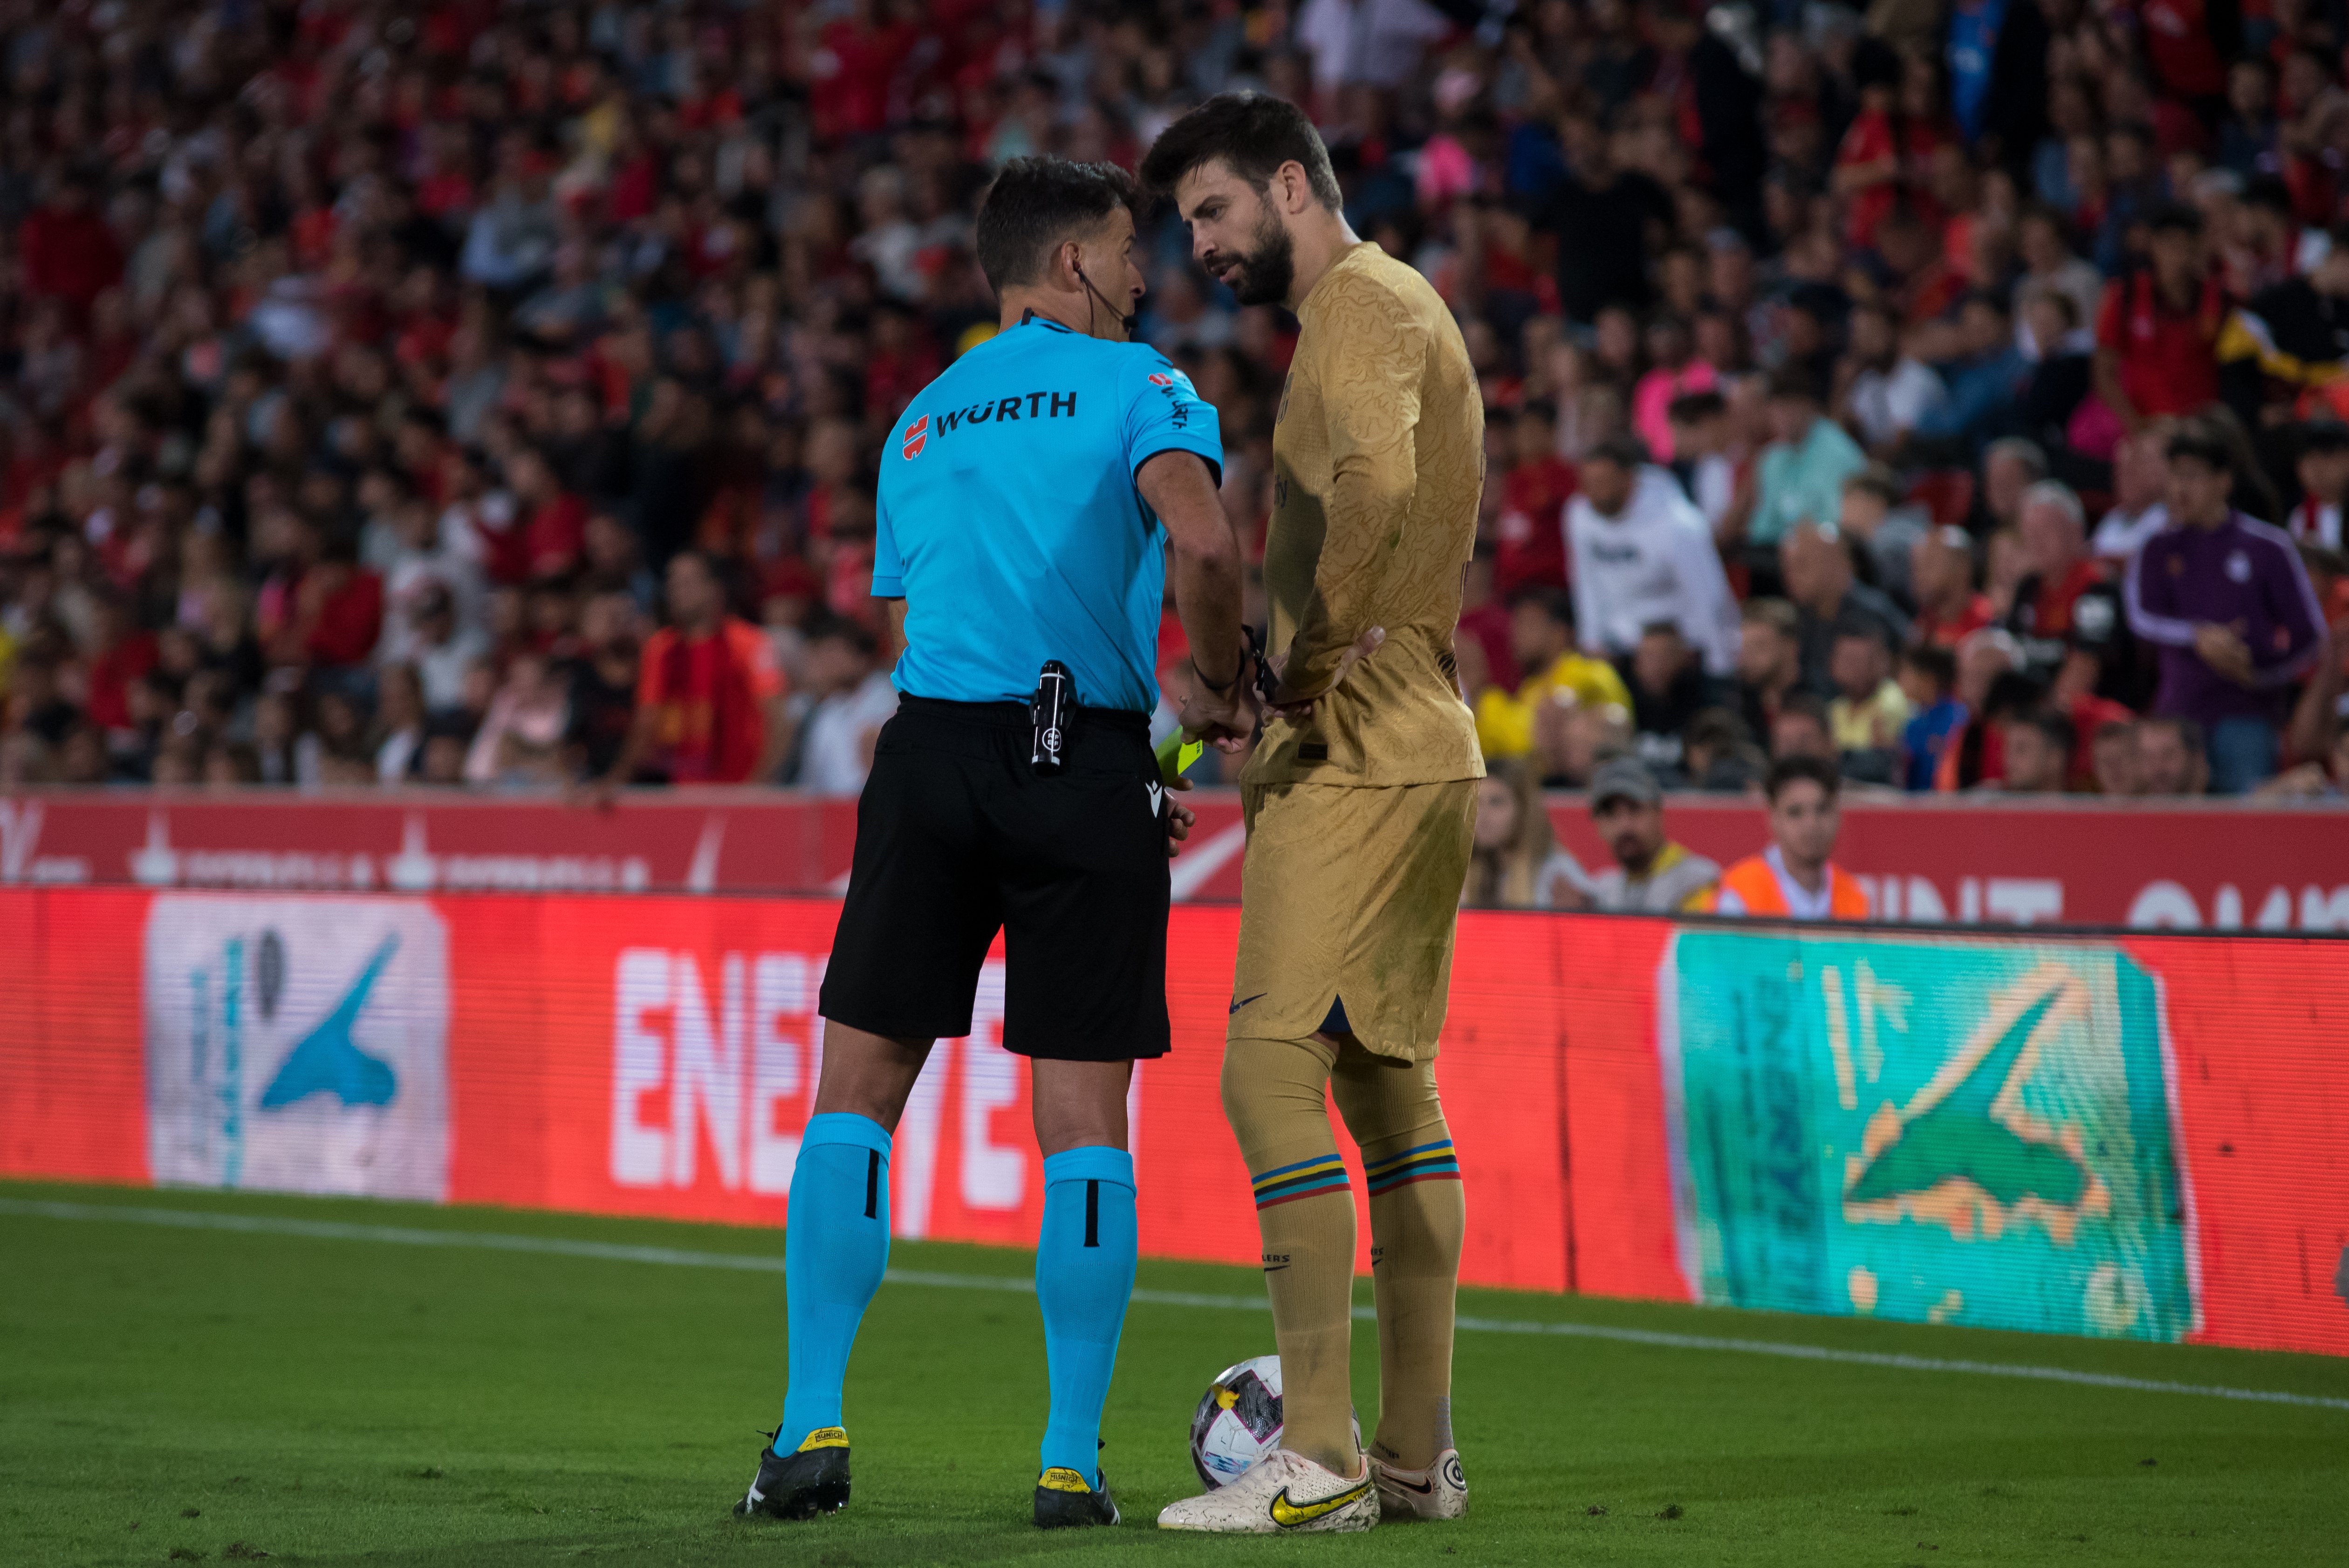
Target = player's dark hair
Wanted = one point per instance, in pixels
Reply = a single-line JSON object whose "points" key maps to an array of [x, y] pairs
{"points": [[1034, 205], [1789, 769], [1252, 134]]}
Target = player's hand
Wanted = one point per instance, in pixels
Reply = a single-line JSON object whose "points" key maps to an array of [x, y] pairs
{"points": [[1365, 646]]}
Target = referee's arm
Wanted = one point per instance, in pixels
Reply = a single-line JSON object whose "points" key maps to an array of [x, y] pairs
{"points": [[1181, 490]]}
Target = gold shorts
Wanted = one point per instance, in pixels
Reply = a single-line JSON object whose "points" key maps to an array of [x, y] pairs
{"points": [[1348, 897]]}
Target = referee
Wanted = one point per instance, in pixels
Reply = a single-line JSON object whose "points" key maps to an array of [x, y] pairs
{"points": [[1029, 498]]}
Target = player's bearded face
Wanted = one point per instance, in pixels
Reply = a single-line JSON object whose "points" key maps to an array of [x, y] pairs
{"points": [[1260, 275]]}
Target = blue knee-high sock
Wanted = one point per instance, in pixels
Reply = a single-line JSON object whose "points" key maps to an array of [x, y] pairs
{"points": [[835, 1246], [1084, 1272]]}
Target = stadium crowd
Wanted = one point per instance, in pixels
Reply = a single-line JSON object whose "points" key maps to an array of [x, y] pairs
{"points": [[492, 394]]}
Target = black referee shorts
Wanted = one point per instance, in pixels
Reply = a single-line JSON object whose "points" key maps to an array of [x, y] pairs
{"points": [[957, 836]]}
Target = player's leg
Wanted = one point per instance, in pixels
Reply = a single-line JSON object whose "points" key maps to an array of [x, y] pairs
{"points": [[1085, 1253], [913, 932], [1274, 1095], [1418, 1212]]}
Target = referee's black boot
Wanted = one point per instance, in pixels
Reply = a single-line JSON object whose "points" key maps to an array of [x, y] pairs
{"points": [[1063, 1500], [810, 1480]]}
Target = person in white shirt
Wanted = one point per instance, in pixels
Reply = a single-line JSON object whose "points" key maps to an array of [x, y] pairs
{"points": [[2140, 478], [1641, 555], [1700, 443], [1890, 391], [836, 748], [2323, 472]]}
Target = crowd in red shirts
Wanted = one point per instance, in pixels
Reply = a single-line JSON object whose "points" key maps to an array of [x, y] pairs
{"points": [[493, 393]]}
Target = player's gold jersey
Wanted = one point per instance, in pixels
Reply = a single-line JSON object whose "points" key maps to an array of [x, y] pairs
{"points": [[1378, 459]]}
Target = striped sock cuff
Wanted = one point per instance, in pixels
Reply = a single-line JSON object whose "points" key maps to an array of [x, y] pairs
{"points": [[1306, 1179], [1428, 1162]]}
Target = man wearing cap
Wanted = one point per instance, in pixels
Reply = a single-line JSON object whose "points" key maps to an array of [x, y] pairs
{"points": [[1651, 874]]}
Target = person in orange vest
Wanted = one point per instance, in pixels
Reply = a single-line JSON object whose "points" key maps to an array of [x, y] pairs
{"points": [[1794, 879]]}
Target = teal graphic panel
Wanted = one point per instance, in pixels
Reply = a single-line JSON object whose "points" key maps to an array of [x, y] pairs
{"points": [[1928, 1130]]}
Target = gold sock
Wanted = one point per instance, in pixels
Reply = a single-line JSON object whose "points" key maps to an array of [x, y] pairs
{"points": [[1274, 1093], [1418, 1212]]}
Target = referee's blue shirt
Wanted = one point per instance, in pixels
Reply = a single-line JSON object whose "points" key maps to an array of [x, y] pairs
{"points": [[1009, 523]]}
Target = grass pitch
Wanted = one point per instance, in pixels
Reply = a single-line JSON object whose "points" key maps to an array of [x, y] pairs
{"points": [[200, 1394]]}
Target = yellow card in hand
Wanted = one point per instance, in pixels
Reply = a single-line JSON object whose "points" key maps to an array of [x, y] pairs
{"points": [[1176, 756]]}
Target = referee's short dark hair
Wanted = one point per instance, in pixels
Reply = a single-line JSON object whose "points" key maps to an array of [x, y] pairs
{"points": [[1252, 134], [1034, 205]]}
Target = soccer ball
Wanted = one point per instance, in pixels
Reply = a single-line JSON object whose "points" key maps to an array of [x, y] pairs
{"points": [[1239, 1421]]}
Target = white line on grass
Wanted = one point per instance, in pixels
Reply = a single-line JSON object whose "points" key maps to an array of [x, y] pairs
{"points": [[677, 1257]]}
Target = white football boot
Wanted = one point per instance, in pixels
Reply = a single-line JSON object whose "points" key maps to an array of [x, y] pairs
{"points": [[1282, 1494], [1439, 1492]]}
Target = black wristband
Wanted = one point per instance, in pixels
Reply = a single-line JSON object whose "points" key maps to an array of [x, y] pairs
{"points": [[1219, 687]]}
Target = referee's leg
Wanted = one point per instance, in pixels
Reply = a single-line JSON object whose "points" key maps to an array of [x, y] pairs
{"points": [[1085, 1252], [836, 1232]]}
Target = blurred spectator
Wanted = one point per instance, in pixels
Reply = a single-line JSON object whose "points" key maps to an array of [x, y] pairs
{"points": [[708, 696], [1815, 561], [1542, 642], [1602, 214], [2113, 760], [854, 699], [2067, 613], [2228, 604], [1884, 530], [1870, 712], [1769, 660], [1668, 689], [1516, 862], [1928, 678], [2171, 757], [1800, 728], [1641, 554], [1803, 469], [2157, 328], [1886, 391], [2322, 469], [1534, 493], [1721, 757], [1986, 379], [1942, 572], [400, 725], [2140, 479], [1795, 878], [1651, 874], [521, 738], [2038, 752], [2284, 346], [1701, 459]]}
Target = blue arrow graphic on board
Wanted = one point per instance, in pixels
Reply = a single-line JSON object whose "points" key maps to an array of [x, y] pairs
{"points": [[326, 1060]]}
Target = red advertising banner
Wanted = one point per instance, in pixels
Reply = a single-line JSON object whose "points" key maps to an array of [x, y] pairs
{"points": [[2203, 865], [2144, 1135]]}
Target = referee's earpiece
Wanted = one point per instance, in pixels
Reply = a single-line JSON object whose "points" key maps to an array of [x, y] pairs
{"points": [[1124, 320]]}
